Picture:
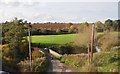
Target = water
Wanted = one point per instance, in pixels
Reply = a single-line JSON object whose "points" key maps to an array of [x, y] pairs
{"points": [[98, 49]]}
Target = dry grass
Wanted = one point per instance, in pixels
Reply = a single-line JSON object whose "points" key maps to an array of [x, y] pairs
{"points": [[108, 41], [89, 68], [37, 54], [84, 35]]}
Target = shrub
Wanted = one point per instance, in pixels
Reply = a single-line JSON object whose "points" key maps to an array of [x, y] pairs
{"points": [[108, 40], [84, 35], [9, 64], [79, 49], [70, 48], [63, 49], [35, 32], [89, 68], [23, 52], [24, 66], [58, 31], [5, 50], [70, 31], [107, 61], [75, 60], [102, 62], [43, 30], [38, 65], [37, 54]]}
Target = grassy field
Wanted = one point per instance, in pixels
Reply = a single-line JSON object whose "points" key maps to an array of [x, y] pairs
{"points": [[54, 39], [49, 40]]}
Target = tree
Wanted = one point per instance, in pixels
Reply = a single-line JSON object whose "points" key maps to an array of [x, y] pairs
{"points": [[72, 29], [118, 25], [43, 30], [69, 25], [13, 35], [108, 24], [115, 24], [99, 26], [58, 31], [0, 33], [86, 23]]}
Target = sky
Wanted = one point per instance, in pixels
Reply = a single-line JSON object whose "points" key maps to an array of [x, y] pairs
{"points": [[59, 10]]}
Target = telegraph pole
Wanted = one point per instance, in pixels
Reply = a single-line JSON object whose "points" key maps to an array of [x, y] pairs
{"points": [[92, 43], [30, 57], [88, 53]]}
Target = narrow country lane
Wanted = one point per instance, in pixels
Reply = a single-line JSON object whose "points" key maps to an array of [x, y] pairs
{"points": [[55, 65]]}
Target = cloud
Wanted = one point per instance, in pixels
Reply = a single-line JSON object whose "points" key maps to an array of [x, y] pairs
{"points": [[57, 11], [31, 1]]}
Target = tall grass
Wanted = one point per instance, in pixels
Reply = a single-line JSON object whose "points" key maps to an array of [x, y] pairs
{"points": [[108, 41]]}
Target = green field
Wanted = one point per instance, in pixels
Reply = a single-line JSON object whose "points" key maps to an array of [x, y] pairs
{"points": [[54, 39], [49, 40]]}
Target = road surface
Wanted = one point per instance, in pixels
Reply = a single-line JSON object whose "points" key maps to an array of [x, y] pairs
{"points": [[55, 65]]}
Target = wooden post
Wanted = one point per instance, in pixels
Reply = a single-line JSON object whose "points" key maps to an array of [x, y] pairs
{"points": [[92, 42], [88, 54], [30, 56]]}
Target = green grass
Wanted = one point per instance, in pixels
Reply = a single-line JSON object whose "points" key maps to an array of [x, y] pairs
{"points": [[49, 40], [103, 61], [107, 61], [54, 39]]}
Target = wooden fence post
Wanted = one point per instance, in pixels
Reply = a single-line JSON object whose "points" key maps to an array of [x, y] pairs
{"points": [[92, 43]]}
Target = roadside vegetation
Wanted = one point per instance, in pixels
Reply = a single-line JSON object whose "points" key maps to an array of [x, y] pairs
{"points": [[39, 62], [70, 40], [14, 47], [105, 61], [102, 62]]}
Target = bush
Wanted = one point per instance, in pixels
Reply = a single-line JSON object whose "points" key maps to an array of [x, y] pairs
{"points": [[23, 52], [108, 40], [84, 36], [107, 61], [74, 60], [79, 49], [102, 62], [63, 49], [24, 66], [5, 50], [70, 48], [58, 31], [37, 54], [89, 68], [38, 65], [9, 64]]}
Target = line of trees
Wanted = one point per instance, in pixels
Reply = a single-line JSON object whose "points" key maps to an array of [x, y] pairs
{"points": [[44, 31], [70, 28], [108, 25]]}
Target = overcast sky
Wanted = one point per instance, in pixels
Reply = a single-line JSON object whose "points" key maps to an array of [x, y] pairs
{"points": [[59, 10]]}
